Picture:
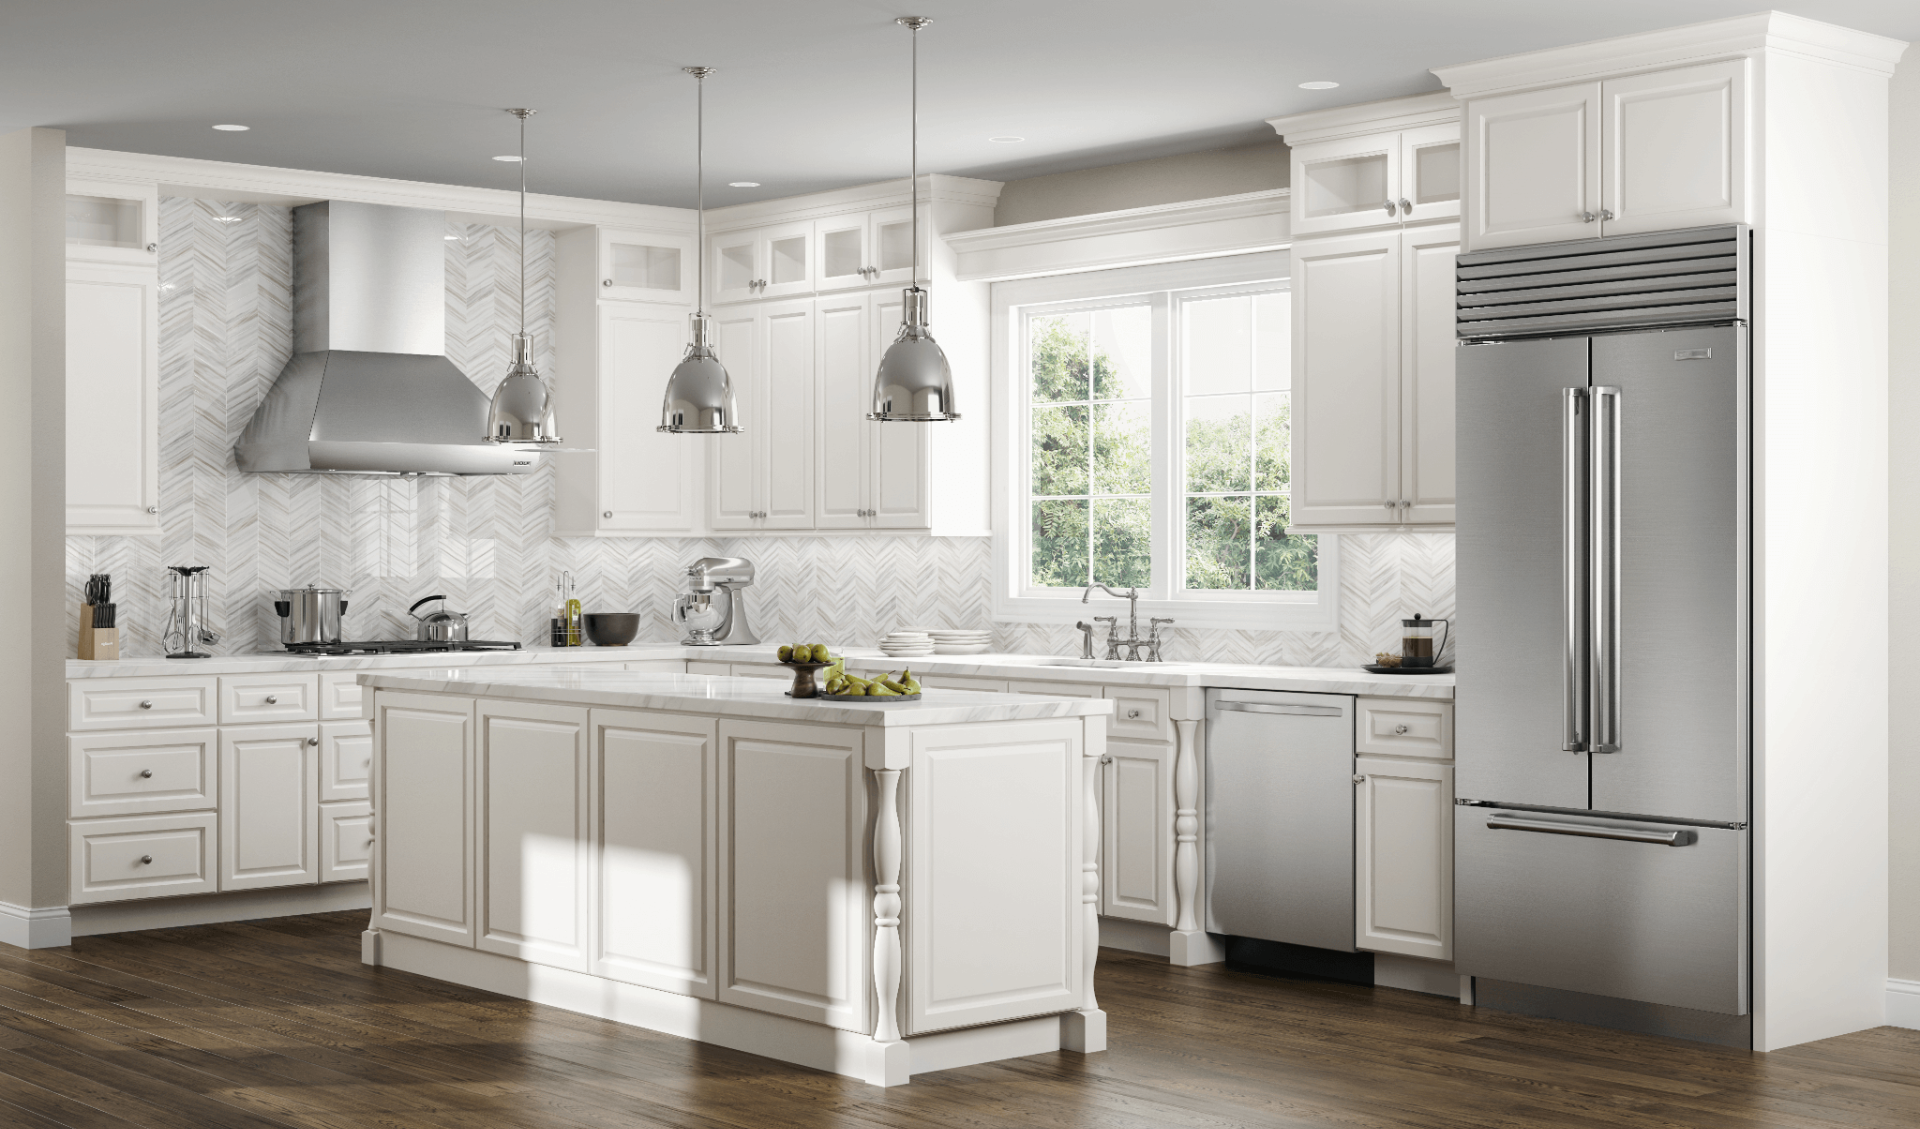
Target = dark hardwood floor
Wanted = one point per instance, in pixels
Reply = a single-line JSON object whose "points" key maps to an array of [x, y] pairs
{"points": [[276, 1023]]}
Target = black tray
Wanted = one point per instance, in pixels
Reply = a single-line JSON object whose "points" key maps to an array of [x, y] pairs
{"points": [[1373, 669]]}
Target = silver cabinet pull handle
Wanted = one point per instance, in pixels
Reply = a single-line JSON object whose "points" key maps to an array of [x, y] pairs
{"points": [[1389, 206], [273, 699], [606, 282], [1676, 838], [153, 509], [606, 513], [1106, 758], [146, 703], [1399, 731], [1292, 711], [1391, 505], [146, 774], [152, 247], [1359, 779], [145, 859]]}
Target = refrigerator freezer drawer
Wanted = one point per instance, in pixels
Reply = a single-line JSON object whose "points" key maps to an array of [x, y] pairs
{"points": [[1639, 914]]}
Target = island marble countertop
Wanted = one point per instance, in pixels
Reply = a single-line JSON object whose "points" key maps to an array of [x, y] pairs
{"points": [[725, 696]]}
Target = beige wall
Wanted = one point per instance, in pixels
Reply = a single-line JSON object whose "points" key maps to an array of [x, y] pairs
{"points": [[1903, 420], [1139, 184]]}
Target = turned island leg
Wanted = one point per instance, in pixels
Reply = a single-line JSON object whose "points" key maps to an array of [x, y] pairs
{"points": [[1086, 1030], [1188, 944], [890, 1058]]}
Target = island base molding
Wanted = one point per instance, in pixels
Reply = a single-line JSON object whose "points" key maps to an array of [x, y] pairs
{"points": [[1184, 948], [737, 1028]]}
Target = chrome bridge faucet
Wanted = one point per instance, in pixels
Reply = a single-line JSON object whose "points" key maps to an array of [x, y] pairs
{"points": [[1132, 642]]}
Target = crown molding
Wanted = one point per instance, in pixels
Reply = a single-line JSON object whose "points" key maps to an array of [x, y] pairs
{"points": [[1692, 43], [935, 188], [1189, 229], [1437, 108], [263, 184]]}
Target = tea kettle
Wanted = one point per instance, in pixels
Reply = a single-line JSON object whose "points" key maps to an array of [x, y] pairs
{"points": [[443, 626]]}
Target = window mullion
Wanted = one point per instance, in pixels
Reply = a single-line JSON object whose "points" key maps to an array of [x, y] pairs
{"points": [[1164, 414]]}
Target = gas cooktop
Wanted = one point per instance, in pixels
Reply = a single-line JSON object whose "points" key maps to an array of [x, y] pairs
{"points": [[400, 647]]}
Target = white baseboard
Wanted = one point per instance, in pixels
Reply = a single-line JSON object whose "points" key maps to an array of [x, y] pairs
{"points": [[211, 909], [1903, 1003], [48, 927], [1133, 936], [1413, 974], [725, 1025]]}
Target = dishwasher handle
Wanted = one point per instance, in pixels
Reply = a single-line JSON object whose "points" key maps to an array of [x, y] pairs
{"points": [[1675, 838], [1291, 710]]}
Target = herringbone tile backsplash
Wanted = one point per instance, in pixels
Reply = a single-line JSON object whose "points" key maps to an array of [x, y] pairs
{"points": [[225, 332]]}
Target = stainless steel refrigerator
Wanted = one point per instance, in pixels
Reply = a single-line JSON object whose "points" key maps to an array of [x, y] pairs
{"points": [[1602, 711]]}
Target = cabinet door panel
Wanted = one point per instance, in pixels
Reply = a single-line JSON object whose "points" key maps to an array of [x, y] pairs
{"points": [[346, 759], [122, 703], [143, 771], [733, 459], [346, 840], [1403, 860], [1136, 873], [113, 400], [845, 374], [841, 252], [1533, 167], [796, 897], [269, 697], [648, 481], [890, 247], [531, 769], [1430, 172], [736, 266], [1426, 374], [269, 778], [1344, 184], [787, 425], [423, 800], [1676, 148], [899, 456], [341, 696], [787, 251], [148, 856], [1346, 380], [646, 266], [653, 795]]}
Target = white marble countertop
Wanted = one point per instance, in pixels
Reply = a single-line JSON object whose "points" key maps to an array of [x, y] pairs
{"points": [[725, 697], [148, 666]]}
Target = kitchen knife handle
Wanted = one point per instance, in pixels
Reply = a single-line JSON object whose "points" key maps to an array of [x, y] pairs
{"points": [[1575, 689], [1604, 572], [1679, 837]]}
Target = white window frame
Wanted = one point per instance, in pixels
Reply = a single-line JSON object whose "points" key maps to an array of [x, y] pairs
{"points": [[1014, 599]]}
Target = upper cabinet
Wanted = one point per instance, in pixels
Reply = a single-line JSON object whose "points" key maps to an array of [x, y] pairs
{"points": [[113, 359], [774, 261], [1645, 152], [647, 266], [112, 222], [1384, 163], [864, 249]]}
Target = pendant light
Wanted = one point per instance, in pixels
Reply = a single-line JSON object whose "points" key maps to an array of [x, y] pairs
{"points": [[699, 398], [914, 382], [521, 412]]}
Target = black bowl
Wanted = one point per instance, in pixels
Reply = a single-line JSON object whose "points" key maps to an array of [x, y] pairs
{"points": [[611, 629]]}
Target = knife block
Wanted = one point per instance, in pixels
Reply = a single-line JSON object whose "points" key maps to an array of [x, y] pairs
{"points": [[101, 644]]}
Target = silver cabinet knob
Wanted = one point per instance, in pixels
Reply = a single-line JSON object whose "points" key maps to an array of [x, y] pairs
{"points": [[1391, 505], [146, 774], [1359, 780], [152, 247], [1606, 213], [273, 699], [1389, 207], [1106, 758], [153, 509], [146, 703], [1399, 731], [1406, 206], [606, 513], [606, 282], [1131, 714], [313, 740], [1588, 217], [145, 859]]}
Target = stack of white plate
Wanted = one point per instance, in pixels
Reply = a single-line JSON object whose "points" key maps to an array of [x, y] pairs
{"points": [[907, 644], [960, 641]]}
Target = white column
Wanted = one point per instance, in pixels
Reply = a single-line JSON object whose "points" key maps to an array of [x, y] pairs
{"points": [[1188, 944], [1086, 1030], [889, 1062]]}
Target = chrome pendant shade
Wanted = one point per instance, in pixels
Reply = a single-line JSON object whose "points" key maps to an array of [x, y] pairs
{"points": [[914, 383], [699, 399], [521, 410]]}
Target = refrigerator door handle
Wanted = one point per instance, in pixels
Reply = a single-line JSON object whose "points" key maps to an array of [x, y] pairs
{"points": [[1576, 692], [1675, 838], [1604, 571]]}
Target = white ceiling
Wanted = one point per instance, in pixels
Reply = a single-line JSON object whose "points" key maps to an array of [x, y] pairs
{"points": [[806, 95]]}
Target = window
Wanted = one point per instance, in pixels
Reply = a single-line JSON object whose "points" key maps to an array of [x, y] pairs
{"points": [[1149, 415]]}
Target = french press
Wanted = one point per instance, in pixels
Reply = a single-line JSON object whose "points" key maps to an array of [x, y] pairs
{"points": [[1417, 645]]}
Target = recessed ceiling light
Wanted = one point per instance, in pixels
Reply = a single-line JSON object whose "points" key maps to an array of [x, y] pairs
{"points": [[743, 184], [1318, 84], [510, 158], [234, 128], [1006, 140]]}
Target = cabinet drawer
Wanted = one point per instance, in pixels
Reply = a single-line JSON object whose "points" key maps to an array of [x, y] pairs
{"points": [[346, 840], [1141, 713], [1407, 727], [145, 857], [962, 682], [346, 759], [269, 697], [340, 695], [140, 772], [114, 703]]}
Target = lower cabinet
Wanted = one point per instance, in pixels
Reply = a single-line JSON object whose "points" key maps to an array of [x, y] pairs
{"points": [[269, 836], [1136, 880], [1403, 857], [423, 816], [149, 856], [531, 775], [346, 840]]}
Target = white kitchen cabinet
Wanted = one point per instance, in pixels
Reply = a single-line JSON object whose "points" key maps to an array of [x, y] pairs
{"points": [[346, 840], [112, 221], [1404, 727], [346, 760], [1373, 380], [868, 475], [1137, 834], [269, 832], [771, 261], [763, 478], [113, 398], [1403, 857], [141, 772], [424, 817], [793, 888], [613, 359], [1390, 177], [646, 266], [656, 887], [340, 695], [1646, 152], [249, 698], [865, 249], [531, 780], [148, 856], [127, 703]]}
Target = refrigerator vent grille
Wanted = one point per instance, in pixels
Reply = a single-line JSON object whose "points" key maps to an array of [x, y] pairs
{"points": [[1692, 277]]}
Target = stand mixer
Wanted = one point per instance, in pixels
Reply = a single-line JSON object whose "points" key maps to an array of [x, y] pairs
{"points": [[709, 624]]}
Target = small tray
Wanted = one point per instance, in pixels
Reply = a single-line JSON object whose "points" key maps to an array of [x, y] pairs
{"points": [[862, 698], [1372, 668]]}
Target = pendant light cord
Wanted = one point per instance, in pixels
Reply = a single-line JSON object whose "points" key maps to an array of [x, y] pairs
{"points": [[700, 192], [913, 167], [523, 223]]}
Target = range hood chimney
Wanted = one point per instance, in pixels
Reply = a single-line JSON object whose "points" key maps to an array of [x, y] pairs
{"points": [[369, 389]]}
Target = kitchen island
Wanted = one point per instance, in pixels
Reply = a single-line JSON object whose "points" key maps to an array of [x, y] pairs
{"points": [[874, 889]]}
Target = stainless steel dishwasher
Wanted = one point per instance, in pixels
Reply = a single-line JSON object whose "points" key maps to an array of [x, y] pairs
{"points": [[1280, 817]]}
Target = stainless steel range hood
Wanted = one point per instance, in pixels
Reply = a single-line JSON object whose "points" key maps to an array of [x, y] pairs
{"points": [[369, 389]]}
